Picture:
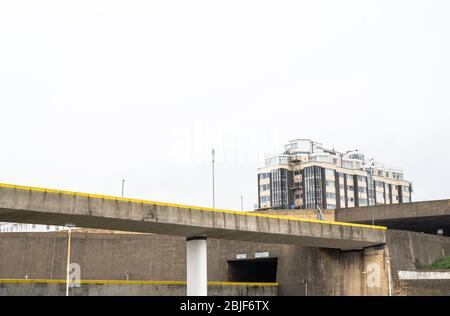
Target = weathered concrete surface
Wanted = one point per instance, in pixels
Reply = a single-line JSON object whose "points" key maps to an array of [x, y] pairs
{"points": [[427, 217], [300, 271], [51, 289], [329, 215], [424, 288], [42, 206], [410, 248], [106, 256]]}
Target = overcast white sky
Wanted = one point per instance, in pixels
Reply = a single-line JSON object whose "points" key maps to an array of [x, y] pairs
{"points": [[93, 91]]}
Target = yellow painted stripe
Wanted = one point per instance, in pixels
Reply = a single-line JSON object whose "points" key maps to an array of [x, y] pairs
{"points": [[137, 282], [57, 281], [244, 283], [197, 208]]}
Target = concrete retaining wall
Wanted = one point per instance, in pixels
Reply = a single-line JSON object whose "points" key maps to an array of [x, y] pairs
{"points": [[301, 270], [106, 256], [46, 289], [424, 288], [408, 249]]}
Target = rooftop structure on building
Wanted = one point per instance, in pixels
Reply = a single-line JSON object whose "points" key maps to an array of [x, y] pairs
{"points": [[308, 176]]}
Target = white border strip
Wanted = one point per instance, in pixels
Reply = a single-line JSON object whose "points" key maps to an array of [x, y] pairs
{"points": [[416, 275]]}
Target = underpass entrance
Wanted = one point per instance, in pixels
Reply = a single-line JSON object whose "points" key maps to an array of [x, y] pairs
{"points": [[253, 270]]}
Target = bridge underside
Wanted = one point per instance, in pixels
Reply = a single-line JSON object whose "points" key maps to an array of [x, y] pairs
{"points": [[423, 224], [427, 217], [22, 216]]}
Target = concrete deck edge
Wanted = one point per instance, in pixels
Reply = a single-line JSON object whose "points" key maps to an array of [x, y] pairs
{"points": [[131, 200]]}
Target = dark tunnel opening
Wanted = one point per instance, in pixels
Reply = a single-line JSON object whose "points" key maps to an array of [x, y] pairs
{"points": [[253, 270]]}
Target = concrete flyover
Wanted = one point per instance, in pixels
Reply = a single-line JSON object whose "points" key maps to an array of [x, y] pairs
{"points": [[426, 217], [54, 207], [23, 204]]}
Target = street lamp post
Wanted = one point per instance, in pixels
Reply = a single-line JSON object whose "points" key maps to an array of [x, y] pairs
{"points": [[305, 282], [366, 288], [213, 153], [388, 263], [69, 237], [123, 187]]}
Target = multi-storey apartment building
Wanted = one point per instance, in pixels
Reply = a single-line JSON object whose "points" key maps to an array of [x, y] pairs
{"points": [[308, 176]]}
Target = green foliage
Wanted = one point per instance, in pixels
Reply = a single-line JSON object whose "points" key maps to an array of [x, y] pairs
{"points": [[441, 264]]}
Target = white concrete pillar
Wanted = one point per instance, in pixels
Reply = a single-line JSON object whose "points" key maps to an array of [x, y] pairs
{"points": [[196, 263]]}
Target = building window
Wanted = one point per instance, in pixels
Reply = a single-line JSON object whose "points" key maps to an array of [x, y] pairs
{"points": [[313, 187], [331, 195], [380, 196], [264, 199], [347, 165], [281, 197], [329, 173]]}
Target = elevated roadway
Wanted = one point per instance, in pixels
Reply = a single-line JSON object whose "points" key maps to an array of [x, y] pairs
{"points": [[427, 216], [23, 204]]}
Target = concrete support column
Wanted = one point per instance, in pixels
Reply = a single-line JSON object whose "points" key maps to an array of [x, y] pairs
{"points": [[196, 264]]}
